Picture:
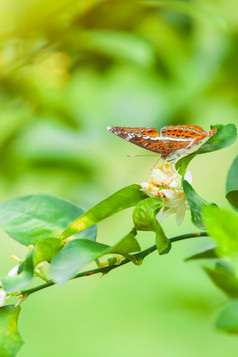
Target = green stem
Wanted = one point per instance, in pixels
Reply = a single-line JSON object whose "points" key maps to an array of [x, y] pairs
{"points": [[40, 275], [137, 257]]}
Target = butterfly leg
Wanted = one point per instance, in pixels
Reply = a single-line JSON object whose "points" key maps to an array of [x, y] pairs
{"points": [[164, 164], [172, 165], [193, 142], [152, 168]]}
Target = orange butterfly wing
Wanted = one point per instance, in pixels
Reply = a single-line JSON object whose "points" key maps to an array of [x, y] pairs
{"points": [[172, 140]]}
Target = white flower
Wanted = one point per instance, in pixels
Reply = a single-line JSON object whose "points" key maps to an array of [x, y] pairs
{"points": [[151, 190], [165, 182], [177, 206], [3, 295], [13, 271], [188, 176], [161, 178]]}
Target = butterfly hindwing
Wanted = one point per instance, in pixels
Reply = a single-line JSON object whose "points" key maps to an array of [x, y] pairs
{"points": [[170, 143]]}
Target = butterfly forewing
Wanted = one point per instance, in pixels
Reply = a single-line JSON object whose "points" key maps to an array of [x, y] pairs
{"points": [[182, 131], [125, 132], [170, 143]]}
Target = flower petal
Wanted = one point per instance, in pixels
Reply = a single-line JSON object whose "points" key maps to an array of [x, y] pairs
{"points": [[3, 295], [175, 203], [13, 271], [164, 213], [180, 213], [175, 184], [188, 176], [158, 177], [149, 189], [170, 194]]}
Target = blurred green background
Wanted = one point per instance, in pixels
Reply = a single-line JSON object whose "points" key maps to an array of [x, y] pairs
{"points": [[70, 68]]}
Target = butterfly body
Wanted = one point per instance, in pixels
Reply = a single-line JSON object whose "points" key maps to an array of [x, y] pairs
{"points": [[171, 142]]}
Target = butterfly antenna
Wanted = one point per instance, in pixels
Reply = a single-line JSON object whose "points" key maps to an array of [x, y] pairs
{"points": [[152, 168], [139, 155]]}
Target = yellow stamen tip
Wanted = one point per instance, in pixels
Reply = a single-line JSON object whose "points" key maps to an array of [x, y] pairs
{"points": [[14, 257], [167, 165], [102, 265], [159, 167], [31, 246]]}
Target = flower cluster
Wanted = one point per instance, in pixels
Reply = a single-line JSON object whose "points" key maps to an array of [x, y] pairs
{"points": [[165, 182]]}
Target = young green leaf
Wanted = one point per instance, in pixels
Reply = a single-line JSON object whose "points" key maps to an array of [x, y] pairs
{"points": [[224, 278], [128, 244], [127, 197], [206, 253], [196, 204], [232, 184], [29, 219], [10, 340], [144, 217], [14, 283], [44, 250], [225, 136], [79, 252], [228, 318], [183, 163], [222, 226], [73, 257]]}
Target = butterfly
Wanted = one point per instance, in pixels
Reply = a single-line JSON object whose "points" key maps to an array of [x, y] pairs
{"points": [[171, 142]]}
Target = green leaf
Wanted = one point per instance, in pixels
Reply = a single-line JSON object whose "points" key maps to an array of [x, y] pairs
{"points": [[225, 136], [44, 250], [10, 340], [232, 184], [188, 8], [14, 283], [79, 252], [29, 219], [228, 318], [196, 204], [183, 163], [206, 253], [127, 197], [222, 226], [73, 257], [126, 245], [224, 278], [144, 217]]}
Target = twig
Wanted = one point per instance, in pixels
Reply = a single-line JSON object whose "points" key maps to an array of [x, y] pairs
{"points": [[136, 257]]}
